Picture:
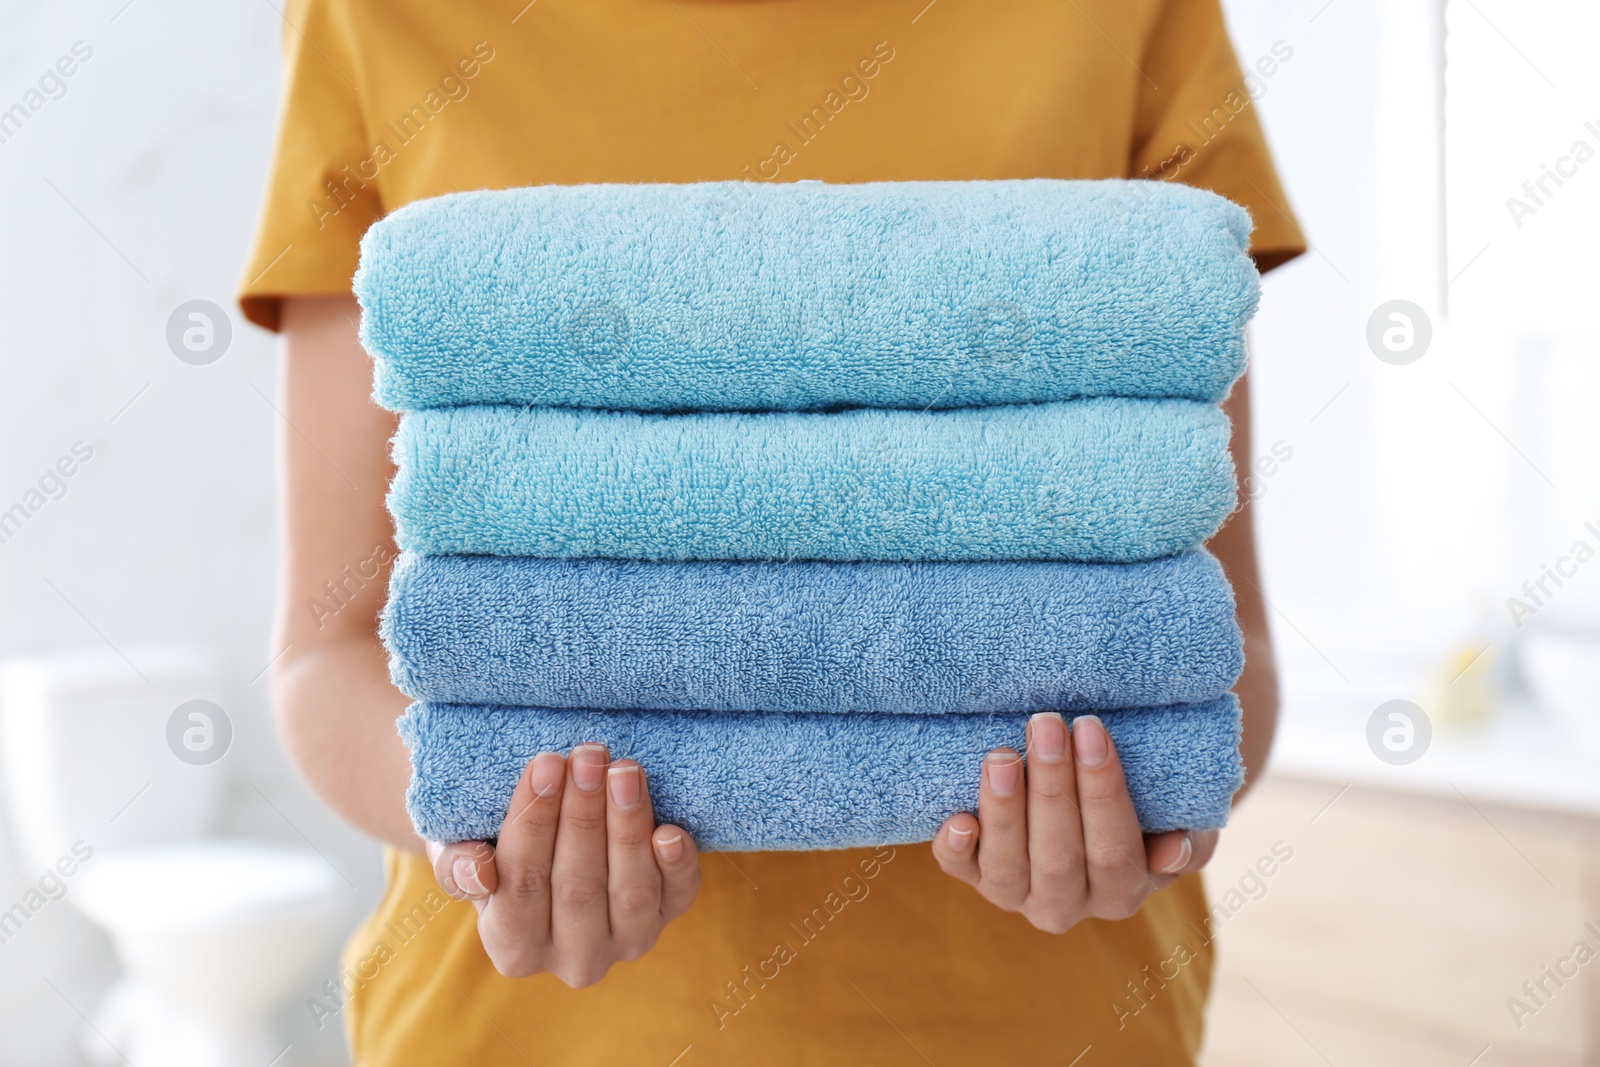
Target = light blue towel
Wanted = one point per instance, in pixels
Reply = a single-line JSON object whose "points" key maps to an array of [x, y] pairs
{"points": [[812, 637], [1111, 481], [743, 782], [745, 296]]}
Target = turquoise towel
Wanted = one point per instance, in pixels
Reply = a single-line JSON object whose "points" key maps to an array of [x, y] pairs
{"points": [[740, 781], [1108, 480], [805, 296], [812, 637]]}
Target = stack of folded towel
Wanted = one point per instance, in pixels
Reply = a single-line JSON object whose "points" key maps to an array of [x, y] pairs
{"points": [[805, 496]]}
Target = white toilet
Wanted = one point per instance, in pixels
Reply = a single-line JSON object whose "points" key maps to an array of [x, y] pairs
{"points": [[117, 795]]}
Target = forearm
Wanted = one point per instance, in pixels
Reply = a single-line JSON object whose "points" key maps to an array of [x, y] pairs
{"points": [[336, 712], [1235, 547], [1258, 696], [335, 707]]}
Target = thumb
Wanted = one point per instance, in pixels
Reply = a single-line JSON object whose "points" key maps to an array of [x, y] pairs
{"points": [[464, 869]]}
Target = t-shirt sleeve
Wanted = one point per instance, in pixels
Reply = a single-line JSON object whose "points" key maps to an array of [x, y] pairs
{"points": [[1197, 123], [316, 205]]}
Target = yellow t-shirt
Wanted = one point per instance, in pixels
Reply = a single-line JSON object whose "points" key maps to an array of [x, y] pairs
{"points": [[862, 956]]}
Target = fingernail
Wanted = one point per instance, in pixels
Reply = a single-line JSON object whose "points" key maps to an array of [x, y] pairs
{"points": [[670, 848], [960, 839], [1005, 772], [1185, 851], [588, 767], [1047, 737], [465, 873], [624, 783], [545, 778], [1089, 740]]}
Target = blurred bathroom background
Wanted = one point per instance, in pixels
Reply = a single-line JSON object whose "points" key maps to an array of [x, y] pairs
{"points": [[1427, 450]]}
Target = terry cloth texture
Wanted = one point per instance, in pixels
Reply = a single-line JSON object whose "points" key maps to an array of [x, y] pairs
{"points": [[741, 782], [905, 638], [804, 296], [1105, 480]]}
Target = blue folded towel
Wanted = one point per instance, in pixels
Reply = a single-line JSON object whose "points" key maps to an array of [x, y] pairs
{"points": [[1111, 481], [744, 296], [812, 637], [743, 782]]}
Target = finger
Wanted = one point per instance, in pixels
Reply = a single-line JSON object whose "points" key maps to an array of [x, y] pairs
{"points": [[1059, 885], [679, 862], [464, 869], [514, 922], [955, 847], [1113, 844], [525, 848], [1169, 852], [1180, 852], [633, 878], [580, 902], [1003, 830]]}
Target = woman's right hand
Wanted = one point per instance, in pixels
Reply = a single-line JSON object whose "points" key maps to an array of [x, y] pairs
{"points": [[581, 876]]}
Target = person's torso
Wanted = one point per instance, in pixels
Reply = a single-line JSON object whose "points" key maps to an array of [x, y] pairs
{"points": [[861, 956], [786, 958], [456, 97]]}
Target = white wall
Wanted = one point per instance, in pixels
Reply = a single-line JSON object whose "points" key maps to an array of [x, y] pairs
{"points": [[1421, 497], [1412, 507], [133, 192]]}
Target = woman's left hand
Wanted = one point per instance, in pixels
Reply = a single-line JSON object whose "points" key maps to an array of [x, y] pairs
{"points": [[1056, 838]]}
